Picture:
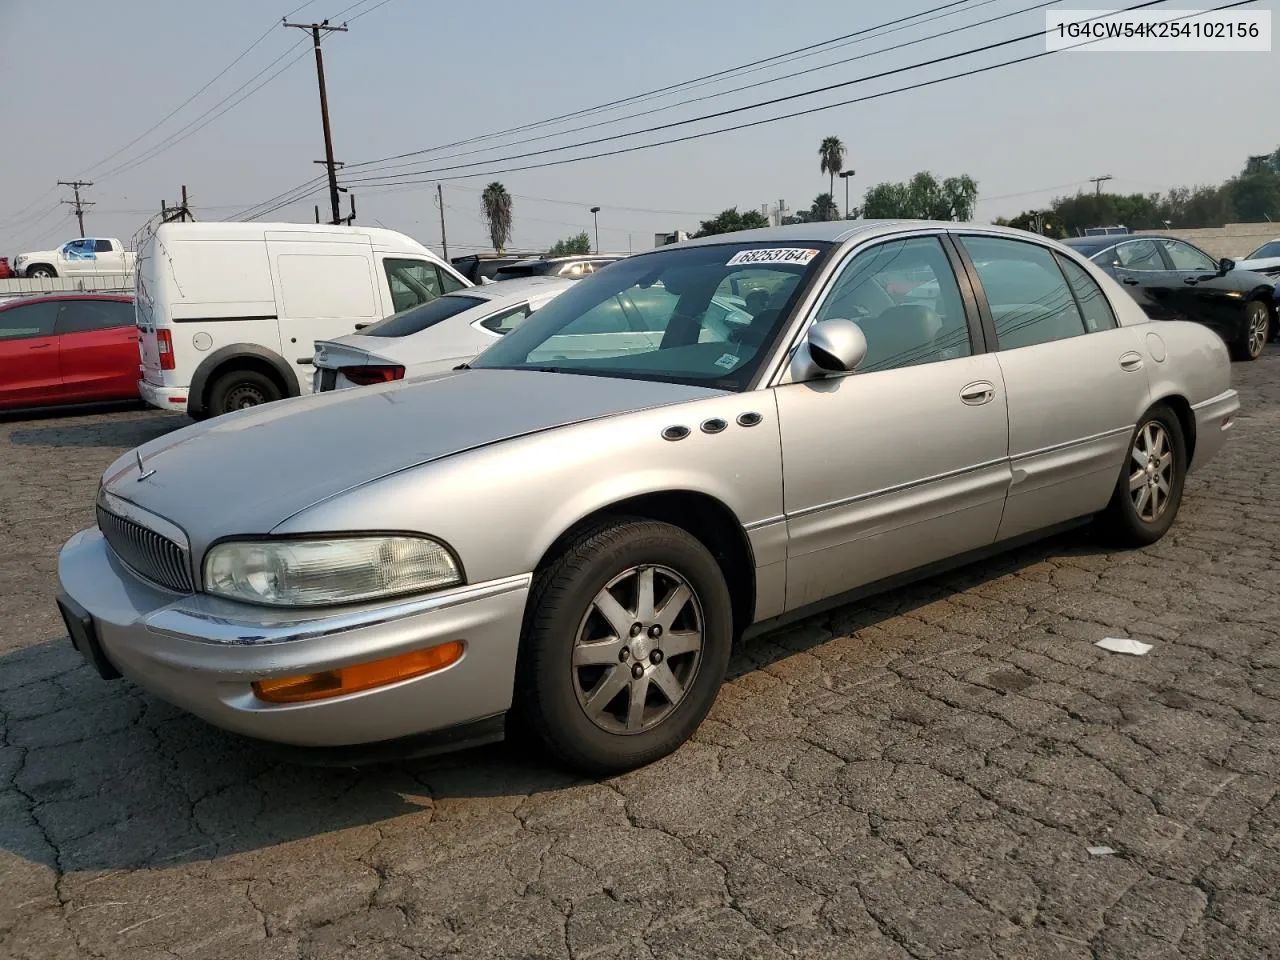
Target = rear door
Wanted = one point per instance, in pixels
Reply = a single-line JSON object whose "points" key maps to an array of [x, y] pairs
{"points": [[1140, 266], [325, 288], [1074, 379], [110, 256], [97, 350], [29, 355]]}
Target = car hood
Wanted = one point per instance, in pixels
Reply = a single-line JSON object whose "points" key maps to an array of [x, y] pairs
{"points": [[247, 472]]}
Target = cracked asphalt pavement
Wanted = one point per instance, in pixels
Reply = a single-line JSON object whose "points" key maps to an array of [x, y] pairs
{"points": [[920, 775]]}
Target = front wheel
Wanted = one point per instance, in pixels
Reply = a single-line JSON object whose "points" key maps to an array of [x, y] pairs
{"points": [[625, 646], [41, 272], [1256, 332], [1149, 490]]}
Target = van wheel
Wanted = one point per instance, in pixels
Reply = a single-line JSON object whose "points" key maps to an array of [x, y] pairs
{"points": [[239, 390]]}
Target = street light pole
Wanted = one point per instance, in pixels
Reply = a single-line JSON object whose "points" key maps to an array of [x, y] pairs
{"points": [[595, 213], [845, 177]]}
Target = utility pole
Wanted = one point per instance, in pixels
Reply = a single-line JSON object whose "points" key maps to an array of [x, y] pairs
{"points": [[315, 29], [444, 242], [595, 213], [845, 177], [1097, 183], [350, 218], [79, 204], [181, 212]]}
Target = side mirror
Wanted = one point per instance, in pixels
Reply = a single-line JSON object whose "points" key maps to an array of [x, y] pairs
{"points": [[833, 346], [1226, 265]]}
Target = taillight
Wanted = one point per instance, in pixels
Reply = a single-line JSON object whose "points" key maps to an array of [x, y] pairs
{"points": [[369, 375], [164, 343]]}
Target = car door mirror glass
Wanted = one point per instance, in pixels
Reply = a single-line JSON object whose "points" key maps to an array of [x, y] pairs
{"points": [[1226, 265], [836, 345]]}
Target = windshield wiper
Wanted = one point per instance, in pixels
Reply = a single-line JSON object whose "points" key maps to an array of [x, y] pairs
{"points": [[463, 366]]}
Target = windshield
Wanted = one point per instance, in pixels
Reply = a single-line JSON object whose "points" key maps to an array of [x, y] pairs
{"points": [[705, 316], [1269, 249], [420, 317]]}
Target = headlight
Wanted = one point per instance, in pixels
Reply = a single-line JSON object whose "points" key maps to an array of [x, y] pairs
{"points": [[289, 573]]}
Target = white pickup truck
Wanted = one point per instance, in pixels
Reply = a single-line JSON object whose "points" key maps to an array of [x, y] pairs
{"points": [[86, 257]]}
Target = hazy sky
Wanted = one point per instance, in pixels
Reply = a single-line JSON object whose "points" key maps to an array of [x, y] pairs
{"points": [[82, 79]]}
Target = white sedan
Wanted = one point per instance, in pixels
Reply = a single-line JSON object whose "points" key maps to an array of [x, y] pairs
{"points": [[1265, 260], [432, 337]]}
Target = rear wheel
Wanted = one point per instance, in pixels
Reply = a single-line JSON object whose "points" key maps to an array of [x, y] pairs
{"points": [[625, 646], [1149, 490], [40, 271], [1256, 332], [239, 390]]}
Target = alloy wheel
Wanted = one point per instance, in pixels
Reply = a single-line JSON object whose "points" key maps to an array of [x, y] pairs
{"points": [[1151, 479], [638, 649], [1259, 324]]}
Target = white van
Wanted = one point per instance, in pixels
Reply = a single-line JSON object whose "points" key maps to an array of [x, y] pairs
{"points": [[229, 312]]}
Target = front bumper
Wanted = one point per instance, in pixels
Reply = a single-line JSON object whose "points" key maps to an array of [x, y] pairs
{"points": [[1214, 419], [201, 653], [163, 398]]}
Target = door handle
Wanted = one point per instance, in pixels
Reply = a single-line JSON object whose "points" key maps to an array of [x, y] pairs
{"points": [[1190, 281], [1130, 281], [1131, 362], [40, 346], [977, 393]]}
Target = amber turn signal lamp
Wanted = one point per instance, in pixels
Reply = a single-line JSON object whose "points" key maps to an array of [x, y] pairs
{"points": [[358, 676]]}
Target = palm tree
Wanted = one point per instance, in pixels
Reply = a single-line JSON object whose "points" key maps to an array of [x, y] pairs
{"points": [[832, 153], [495, 204]]}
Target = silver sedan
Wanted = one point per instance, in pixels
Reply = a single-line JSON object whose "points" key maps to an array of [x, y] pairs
{"points": [[574, 530], [431, 337]]}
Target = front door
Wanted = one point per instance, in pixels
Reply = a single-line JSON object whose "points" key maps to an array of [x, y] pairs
{"points": [[1202, 293], [28, 354], [1076, 382], [903, 462], [97, 350]]}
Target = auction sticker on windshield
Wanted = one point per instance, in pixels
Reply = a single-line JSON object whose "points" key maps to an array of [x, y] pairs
{"points": [[772, 255]]}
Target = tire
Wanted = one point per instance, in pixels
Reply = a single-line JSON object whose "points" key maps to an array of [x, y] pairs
{"points": [[1123, 520], [1255, 332], [239, 390], [41, 270], [553, 685]]}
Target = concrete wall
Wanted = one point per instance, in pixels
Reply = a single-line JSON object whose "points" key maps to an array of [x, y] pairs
{"points": [[110, 283], [1235, 240]]}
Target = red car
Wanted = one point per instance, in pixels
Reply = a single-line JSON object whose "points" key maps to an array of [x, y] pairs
{"points": [[6, 273], [67, 348]]}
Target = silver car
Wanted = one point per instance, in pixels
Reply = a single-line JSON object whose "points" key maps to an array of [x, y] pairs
{"points": [[575, 529], [431, 337]]}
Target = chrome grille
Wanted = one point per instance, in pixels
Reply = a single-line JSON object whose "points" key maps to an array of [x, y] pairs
{"points": [[146, 552]]}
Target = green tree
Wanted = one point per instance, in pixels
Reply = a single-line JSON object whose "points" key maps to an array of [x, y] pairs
{"points": [[495, 205], [824, 208], [731, 221], [922, 198], [831, 153], [581, 243]]}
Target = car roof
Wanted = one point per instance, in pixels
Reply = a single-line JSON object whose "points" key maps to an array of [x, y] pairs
{"points": [[56, 297], [512, 289]]}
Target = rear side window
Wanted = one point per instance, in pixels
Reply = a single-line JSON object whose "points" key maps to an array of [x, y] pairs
{"points": [[1093, 302], [419, 318], [503, 323], [1139, 255], [1029, 299], [29, 320], [102, 246], [81, 316], [511, 272]]}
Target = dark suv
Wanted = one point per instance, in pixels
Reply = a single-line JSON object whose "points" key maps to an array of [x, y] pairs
{"points": [[574, 267], [482, 266]]}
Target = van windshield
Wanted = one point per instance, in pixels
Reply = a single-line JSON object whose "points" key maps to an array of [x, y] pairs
{"points": [[419, 318]]}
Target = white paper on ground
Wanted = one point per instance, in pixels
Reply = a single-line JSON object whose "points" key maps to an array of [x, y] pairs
{"points": [[1100, 851], [1118, 645]]}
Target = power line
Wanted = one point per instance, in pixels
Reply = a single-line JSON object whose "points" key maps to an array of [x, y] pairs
{"points": [[669, 88], [377, 165], [798, 113]]}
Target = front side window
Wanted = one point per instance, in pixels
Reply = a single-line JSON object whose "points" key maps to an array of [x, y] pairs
{"points": [[81, 316], [79, 250], [421, 317], [29, 320], [448, 282], [1029, 298], [904, 296], [1269, 249], [1139, 255], [1184, 256], [1093, 302], [412, 282], [654, 317]]}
